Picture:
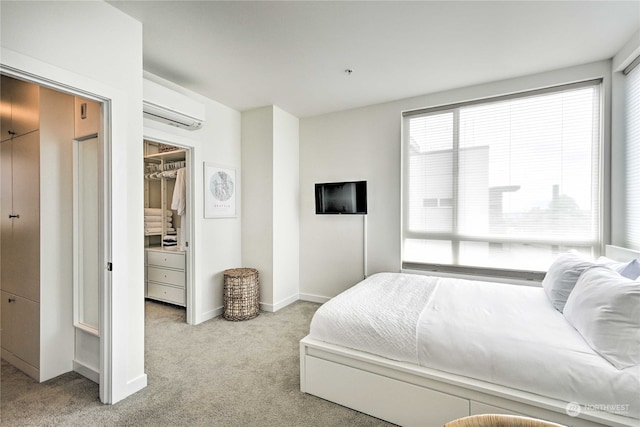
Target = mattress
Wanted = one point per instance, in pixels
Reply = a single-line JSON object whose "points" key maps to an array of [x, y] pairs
{"points": [[503, 334]]}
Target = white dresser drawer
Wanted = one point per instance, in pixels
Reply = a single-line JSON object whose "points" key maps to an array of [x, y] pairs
{"points": [[166, 293], [171, 277], [166, 259]]}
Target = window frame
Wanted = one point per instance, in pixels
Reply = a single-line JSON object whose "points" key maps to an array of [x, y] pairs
{"points": [[456, 238], [631, 71]]}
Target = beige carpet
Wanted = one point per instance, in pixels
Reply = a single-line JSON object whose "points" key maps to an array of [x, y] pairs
{"points": [[218, 373]]}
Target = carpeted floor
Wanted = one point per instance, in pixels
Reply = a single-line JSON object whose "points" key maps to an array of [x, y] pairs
{"points": [[218, 373]]}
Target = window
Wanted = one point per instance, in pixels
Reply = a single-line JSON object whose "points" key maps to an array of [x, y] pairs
{"points": [[632, 158], [504, 184]]}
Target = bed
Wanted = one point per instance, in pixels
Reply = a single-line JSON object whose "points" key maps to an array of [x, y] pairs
{"points": [[422, 350]]}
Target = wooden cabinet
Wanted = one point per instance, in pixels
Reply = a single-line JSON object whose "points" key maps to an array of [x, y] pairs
{"points": [[20, 221], [20, 189], [165, 274], [35, 197], [20, 108], [20, 225], [21, 331]]}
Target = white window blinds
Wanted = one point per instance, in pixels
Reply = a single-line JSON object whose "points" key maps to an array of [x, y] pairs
{"points": [[632, 161], [504, 184]]}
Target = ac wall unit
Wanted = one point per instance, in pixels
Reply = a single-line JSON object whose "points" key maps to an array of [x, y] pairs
{"points": [[170, 107]]}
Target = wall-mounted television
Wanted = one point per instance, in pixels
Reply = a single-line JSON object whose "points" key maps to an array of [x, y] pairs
{"points": [[341, 198]]}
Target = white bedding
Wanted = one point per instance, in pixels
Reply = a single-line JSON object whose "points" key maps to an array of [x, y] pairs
{"points": [[504, 334]]}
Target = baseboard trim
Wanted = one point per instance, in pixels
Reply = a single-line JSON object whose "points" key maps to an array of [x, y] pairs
{"points": [[266, 307], [25, 367], [129, 388], [313, 298], [86, 371], [137, 384], [209, 315], [285, 302], [270, 308]]}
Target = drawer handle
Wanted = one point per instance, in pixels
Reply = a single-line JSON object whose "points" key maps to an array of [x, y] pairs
{"points": [[12, 300]]}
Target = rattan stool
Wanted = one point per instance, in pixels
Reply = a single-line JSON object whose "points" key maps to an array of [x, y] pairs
{"points": [[241, 294]]}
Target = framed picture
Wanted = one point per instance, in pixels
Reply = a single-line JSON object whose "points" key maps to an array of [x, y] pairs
{"points": [[219, 192]]}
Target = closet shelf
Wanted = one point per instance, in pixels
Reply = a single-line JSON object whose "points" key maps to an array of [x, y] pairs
{"points": [[154, 161], [158, 179], [167, 249], [166, 156]]}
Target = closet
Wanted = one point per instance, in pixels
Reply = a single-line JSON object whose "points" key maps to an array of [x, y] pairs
{"points": [[37, 128], [165, 222]]}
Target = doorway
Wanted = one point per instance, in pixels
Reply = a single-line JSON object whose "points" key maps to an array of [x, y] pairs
{"points": [[168, 237], [42, 125]]}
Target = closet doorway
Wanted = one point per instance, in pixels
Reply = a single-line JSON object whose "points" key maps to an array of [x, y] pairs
{"points": [[47, 211], [168, 239]]}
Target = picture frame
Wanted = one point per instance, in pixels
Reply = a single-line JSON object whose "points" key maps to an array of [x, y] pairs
{"points": [[219, 191]]}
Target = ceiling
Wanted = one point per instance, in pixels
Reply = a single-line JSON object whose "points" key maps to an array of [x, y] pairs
{"points": [[294, 54]]}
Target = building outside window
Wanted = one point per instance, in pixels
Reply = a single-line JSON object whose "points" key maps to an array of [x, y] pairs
{"points": [[505, 183]]}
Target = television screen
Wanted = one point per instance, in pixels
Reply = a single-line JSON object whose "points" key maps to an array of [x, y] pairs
{"points": [[337, 198]]}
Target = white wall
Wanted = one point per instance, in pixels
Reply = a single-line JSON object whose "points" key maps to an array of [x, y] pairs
{"points": [[286, 210], [73, 44], [365, 144], [257, 197], [270, 218], [217, 244], [56, 227]]}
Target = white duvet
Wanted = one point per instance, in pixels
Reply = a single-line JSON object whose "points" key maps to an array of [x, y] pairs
{"points": [[504, 334]]}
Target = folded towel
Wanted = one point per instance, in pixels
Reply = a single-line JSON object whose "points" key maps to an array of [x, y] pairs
{"points": [[158, 230], [158, 217], [170, 238], [158, 223], [157, 211]]}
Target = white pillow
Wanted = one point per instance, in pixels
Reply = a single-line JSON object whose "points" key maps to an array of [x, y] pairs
{"points": [[562, 277], [605, 308], [630, 270], [611, 263]]}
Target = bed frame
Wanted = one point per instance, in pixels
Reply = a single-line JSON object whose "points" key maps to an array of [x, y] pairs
{"points": [[411, 395]]}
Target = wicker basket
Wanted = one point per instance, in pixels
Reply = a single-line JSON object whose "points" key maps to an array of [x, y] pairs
{"points": [[241, 293]]}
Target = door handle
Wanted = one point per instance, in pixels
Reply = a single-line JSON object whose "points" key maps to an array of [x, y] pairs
{"points": [[13, 216], [12, 300]]}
